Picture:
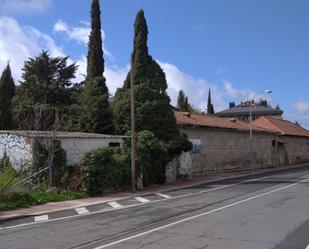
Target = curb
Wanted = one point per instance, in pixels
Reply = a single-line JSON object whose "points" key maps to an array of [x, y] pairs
{"points": [[140, 193]]}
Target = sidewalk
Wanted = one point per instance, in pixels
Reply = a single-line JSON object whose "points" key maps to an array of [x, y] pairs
{"points": [[65, 205]]}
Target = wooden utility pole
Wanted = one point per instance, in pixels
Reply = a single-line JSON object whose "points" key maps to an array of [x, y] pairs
{"points": [[133, 184]]}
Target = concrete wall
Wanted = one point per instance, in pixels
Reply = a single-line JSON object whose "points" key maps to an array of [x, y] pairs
{"points": [[19, 148], [297, 149], [77, 147], [216, 150]]}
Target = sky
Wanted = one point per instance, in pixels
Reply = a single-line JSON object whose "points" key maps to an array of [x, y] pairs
{"points": [[237, 48]]}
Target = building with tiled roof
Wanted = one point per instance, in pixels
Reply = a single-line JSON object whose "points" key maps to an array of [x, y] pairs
{"points": [[283, 127], [223, 143], [190, 119], [242, 111]]}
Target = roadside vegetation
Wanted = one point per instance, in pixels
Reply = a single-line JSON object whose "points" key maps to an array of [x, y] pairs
{"points": [[48, 100]]}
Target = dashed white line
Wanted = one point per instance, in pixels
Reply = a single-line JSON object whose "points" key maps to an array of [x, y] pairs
{"points": [[141, 199], [82, 210], [41, 218], [307, 247], [197, 216], [135, 205], [163, 195], [114, 204]]}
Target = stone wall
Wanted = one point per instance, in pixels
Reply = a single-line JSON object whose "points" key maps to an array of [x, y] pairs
{"points": [[180, 167], [297, 149], [216, 150]]}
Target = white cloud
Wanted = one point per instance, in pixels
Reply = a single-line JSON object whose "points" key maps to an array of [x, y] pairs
{"points": [[15, 45], [196, 89], [236, 94], [81, 34], [25, 7], [18, 43], [300, 113], [114, 75], [301, 108]]}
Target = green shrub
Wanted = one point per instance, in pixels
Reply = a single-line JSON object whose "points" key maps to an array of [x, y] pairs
{"points": [[40, 161], [7, 172], [105, 169], [9, 201], [152, 158], [16, 200]]}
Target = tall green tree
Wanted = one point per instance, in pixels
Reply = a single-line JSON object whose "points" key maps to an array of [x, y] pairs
{"points": [[210, 107], [95, 60], [45, 90], [7, 91], [96, 110], [183, 102], [153, 110]]}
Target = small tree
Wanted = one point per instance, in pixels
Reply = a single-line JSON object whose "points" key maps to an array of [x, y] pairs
{"points": [[183, 102], [7, 91], [210, 107]]}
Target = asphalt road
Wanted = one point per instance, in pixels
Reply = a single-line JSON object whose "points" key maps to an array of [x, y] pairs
{"points": [[259, 212]]}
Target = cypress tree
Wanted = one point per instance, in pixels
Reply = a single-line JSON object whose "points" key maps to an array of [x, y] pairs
{"points": [[95, 60], [7, 91], [153, 110], [210, 107], [181, 100], [96, 111]]}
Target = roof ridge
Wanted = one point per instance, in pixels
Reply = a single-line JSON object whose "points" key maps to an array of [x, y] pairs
{"points": [[272, 125], [269, 120]]}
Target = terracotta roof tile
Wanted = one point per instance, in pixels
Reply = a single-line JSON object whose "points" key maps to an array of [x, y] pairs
{"points": [[184, 118], [284, 127]]}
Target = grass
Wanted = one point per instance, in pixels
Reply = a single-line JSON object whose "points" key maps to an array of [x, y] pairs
{"points": [[10, 201]]}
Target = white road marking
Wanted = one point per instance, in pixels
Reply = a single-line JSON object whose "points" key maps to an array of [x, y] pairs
{"points": [[198, 216], [114, 204], [139, 204], [141, 199], [307, 247], [41, 218], [82, 210], [163, 195]]}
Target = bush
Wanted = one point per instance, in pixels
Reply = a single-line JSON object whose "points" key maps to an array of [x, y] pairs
{"points": [[9, 201], [7, 172], [152, 158], [105, 169], [40, 161]]}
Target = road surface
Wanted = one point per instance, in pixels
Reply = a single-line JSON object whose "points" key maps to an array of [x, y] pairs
{"points": [[265, 211]]}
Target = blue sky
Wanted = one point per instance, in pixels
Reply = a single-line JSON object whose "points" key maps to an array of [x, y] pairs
{"points": [[236, 47]]}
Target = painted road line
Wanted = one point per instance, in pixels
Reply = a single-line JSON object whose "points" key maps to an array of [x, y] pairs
{"points": [[114, 204], [141, 199], [82, 210], [163, 195], [41, 218], [139, 204], [307, 247], [198, 216]]}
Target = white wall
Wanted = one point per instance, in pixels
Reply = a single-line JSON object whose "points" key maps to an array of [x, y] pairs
{"points": [[18, 149], [76, 147]]}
